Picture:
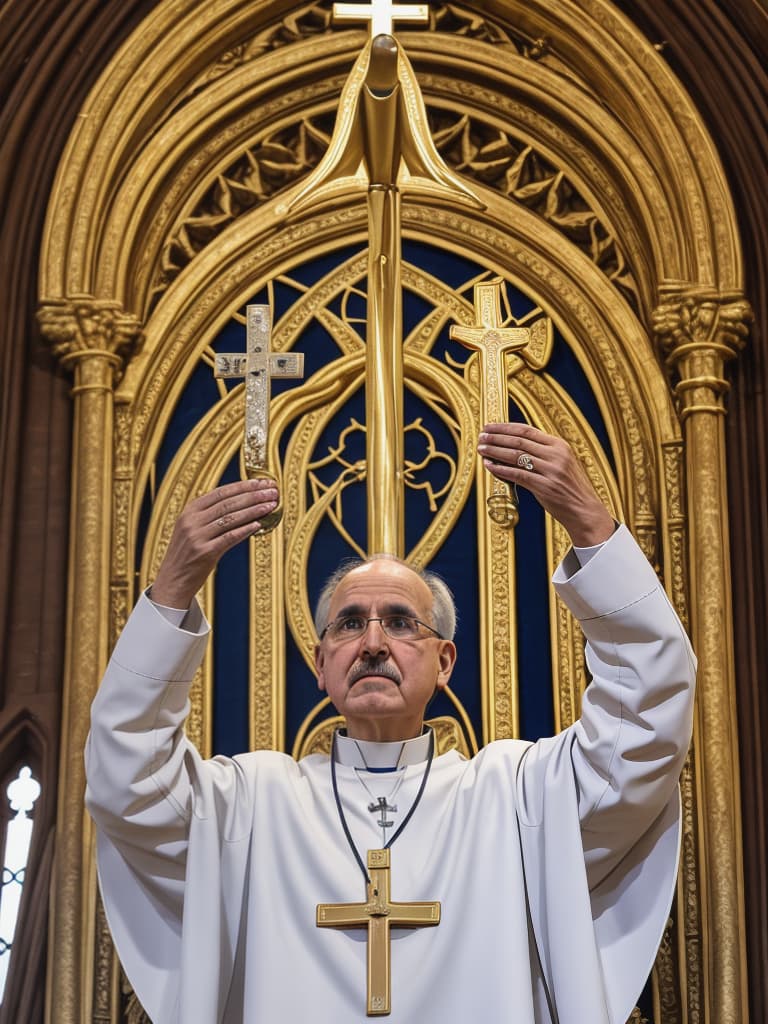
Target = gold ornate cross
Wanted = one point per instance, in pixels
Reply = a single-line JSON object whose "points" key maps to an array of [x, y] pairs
{"points": [[258, 366], [382, 14], [378, 914], [493, 341]]}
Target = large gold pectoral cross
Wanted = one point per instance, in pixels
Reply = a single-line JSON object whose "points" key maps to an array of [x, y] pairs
{"points": [[258, 366], [378, 914]]}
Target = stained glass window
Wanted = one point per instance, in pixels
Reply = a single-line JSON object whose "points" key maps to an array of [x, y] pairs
{"points": [[22, 793]]}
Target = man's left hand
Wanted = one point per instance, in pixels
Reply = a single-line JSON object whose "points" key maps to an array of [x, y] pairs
{"points": [[556, 478]]}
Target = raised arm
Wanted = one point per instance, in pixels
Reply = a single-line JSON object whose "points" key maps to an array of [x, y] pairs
{"points": [[137, 756], [629, 745], [146, 782], [631, 740]]}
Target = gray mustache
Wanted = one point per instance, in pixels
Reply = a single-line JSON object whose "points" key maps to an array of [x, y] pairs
{"points": [[374, 668]]}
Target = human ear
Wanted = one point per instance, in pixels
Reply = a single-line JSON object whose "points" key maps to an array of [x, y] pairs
{"points": [[446, 659], [319, 663]]}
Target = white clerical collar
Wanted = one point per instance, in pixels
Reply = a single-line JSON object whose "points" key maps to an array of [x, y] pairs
{"points": [[381, 756]]}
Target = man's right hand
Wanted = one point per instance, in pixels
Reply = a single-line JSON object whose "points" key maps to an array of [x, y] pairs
{"points": [[207, 528]]}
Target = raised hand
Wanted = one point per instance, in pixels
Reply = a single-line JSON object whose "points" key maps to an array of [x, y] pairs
{"points": [[547, 467], [207, 528]]}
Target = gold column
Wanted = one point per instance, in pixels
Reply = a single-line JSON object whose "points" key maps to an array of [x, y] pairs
{"points": [[92, 337], [700, 331]]}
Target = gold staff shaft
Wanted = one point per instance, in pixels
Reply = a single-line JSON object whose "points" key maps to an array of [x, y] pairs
{"points": [[384, 341], [384, 376]]}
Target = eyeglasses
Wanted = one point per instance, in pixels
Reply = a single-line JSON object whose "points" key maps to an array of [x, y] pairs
{"points": [[397, 627]]}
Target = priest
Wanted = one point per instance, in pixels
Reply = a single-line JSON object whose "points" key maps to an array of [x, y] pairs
{"points": [[529, 884]]}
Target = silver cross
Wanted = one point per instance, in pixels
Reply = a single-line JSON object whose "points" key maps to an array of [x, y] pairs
{"points": [[382, 806]]}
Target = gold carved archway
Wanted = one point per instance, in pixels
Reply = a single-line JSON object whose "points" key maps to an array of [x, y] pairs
{"points": [[605, 205]]}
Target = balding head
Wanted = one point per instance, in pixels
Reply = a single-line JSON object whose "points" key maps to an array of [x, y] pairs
{"points": [[443, 612]]}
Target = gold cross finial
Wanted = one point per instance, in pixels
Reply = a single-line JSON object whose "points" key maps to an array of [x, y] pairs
{"points": [[382, 14], [378, 914]]}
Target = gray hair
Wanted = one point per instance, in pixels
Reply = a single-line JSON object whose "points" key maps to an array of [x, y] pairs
{"points": [[443, 605]]}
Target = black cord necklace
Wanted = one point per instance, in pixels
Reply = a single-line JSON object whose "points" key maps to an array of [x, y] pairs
{"points": [[406, 819]]}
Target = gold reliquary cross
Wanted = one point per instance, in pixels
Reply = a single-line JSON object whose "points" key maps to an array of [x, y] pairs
{"points": [[493, 342], [258, 365], [378, 914]]}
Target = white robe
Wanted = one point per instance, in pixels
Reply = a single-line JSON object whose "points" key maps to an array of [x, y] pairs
{"points": [[211, 870]]}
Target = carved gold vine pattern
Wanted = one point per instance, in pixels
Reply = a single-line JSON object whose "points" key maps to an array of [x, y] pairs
{"points": [[133, 1012], [636, 1017], [500, 542], [667, 981], [690, 908], [103, 961], [479, 151], [262, 696], [686, 930], [315, 19]]}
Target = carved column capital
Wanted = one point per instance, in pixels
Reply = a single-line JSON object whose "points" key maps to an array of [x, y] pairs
{"points": [[700, 330], [82, 327]]}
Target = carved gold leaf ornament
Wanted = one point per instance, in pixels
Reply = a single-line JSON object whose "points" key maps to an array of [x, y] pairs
{"points": [[83, 327], [471, 147]]}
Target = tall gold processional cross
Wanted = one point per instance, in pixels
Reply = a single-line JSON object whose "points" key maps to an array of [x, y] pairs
{"points": [[258, 366], [378, 914], [492, 341], [382, 14], [382, 143]]}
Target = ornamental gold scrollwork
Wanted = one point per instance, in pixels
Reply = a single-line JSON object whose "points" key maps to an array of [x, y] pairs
{"points": [[133, 1012], [312, 20], [665, 976], [690, 904], [103, 964], [479, 151], [636, 1017], [352, 470]]}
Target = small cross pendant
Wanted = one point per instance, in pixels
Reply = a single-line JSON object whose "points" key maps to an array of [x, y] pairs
{"points": [[382, 806]]}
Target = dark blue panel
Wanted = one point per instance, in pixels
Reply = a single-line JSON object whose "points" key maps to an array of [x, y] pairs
{"points": [[437, 471], [199, 395], [415, 309], [532, 598], [230, 646], [310, 273], [444, 264], [319, 349], [565, 369], [456, 562]]}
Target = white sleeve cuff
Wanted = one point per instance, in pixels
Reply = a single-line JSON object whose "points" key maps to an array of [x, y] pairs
{"points": [[174, 616], [584, 554]]}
